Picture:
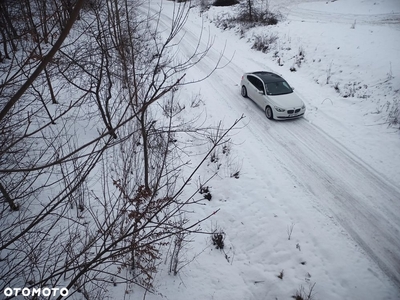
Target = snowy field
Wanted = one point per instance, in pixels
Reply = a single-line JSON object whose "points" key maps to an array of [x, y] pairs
{"points": [[317, 200]]}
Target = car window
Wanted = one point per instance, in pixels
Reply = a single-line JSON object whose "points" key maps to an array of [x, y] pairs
{"points": [[278, 88], [256, 82]]}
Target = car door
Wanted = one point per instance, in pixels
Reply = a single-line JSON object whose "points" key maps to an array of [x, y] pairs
{"points": [[256, 90]]}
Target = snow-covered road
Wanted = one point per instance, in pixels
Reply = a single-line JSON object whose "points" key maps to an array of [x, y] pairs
{"points": [[317, 16], [337, 182]]}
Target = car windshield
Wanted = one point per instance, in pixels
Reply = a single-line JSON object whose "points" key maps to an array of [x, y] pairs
{"points": [[278, 88]]}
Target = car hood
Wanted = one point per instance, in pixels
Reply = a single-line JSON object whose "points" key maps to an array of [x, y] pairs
{"points": [[287, 100]]}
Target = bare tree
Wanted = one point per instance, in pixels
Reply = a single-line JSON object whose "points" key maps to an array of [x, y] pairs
{"points": [[91, 159]]}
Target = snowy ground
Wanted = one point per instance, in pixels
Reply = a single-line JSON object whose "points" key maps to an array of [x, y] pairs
{"points": [[333, 176]]}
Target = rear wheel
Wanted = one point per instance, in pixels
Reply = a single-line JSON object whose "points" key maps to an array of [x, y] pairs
{"points": [[244, 91], [268, 113]]}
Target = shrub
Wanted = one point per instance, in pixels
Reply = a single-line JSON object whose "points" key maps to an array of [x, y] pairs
{"points": [[268, 18], [300, 57], [225, 22], [264, 42], [258, 16], [302, 294], [204, 5], [205, 191], [218, 239], [208, 196], [394, 114], [235, 175], [248, 16]]}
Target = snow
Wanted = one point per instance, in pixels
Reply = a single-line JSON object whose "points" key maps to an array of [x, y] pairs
{"points": [[332, 176], [307, 203], [365, 7]]}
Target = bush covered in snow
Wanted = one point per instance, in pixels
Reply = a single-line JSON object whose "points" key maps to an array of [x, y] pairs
{"points": [[264, 42], [394, 114], [247, 15], [256, 15]]}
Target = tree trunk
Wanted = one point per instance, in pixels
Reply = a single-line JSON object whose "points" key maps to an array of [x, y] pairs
{"points": [[44, 62], [11, 203], [145, 150], [250, 6]]}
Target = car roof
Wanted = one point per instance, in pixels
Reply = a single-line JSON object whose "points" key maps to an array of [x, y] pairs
{"points": [[267, 77]]}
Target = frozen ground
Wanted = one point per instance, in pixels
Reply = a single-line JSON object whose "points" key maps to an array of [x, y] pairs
{"points": [[332, 177]]}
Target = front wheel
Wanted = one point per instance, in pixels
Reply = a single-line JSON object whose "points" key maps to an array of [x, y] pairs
{"points": [[244, 91], [268, 113]]}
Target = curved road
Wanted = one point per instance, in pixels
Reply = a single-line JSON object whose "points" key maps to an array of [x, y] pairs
{"points": [[359, 198]]}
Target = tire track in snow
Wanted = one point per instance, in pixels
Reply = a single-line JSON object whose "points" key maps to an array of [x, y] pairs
{"points": [[297, 13], [365, 205]]}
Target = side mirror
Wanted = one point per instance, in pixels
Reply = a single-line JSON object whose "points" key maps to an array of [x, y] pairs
{"points": [[261, 92]]}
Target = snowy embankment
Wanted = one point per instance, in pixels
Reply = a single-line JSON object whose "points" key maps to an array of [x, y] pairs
{"points": [[316, 201]]}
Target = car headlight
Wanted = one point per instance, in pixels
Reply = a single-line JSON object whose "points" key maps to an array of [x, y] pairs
{"points": [[304, 106], [279, 109]]}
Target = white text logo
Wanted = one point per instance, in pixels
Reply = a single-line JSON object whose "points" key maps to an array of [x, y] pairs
{"points": [[8, 292]]}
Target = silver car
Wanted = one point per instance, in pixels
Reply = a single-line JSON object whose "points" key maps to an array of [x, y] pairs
{"points": [[273, 94]]}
